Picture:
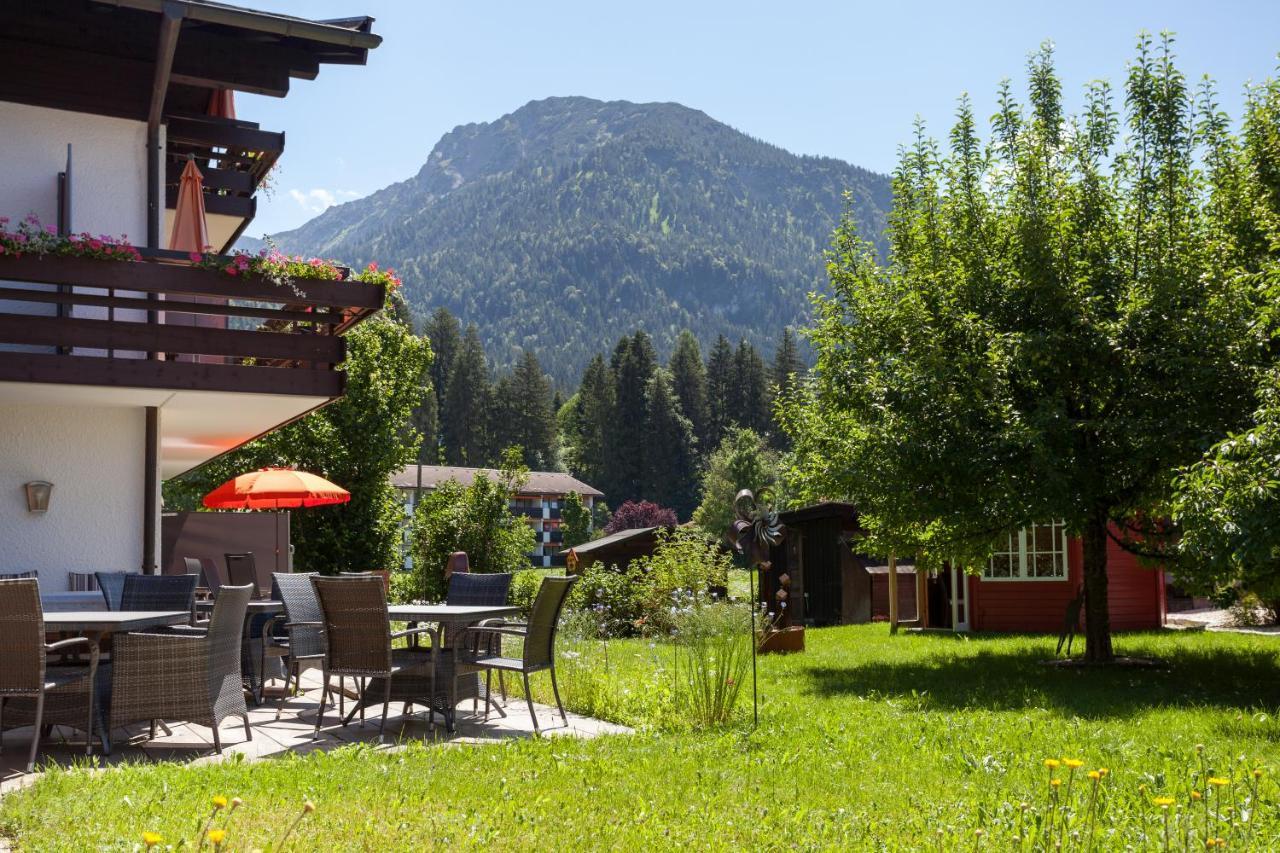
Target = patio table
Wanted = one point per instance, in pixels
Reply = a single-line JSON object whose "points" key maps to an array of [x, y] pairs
{"points": [[449, 614]]}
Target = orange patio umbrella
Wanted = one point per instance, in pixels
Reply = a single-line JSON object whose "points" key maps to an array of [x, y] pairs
{"points": [[275, 488], [190, 228]]}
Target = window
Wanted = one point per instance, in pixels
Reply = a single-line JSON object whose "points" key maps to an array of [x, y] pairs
{"points": [[1035, 553]]}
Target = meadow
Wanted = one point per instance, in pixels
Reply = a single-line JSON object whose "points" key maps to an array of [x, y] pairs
{"points": [[866, 741]]}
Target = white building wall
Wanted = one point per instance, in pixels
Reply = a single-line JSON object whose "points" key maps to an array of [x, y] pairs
{"points": [[108, 181], [109, 169], [94, 458]]}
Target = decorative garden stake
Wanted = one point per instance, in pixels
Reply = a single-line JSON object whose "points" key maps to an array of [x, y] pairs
{"points": [[752, 534]]}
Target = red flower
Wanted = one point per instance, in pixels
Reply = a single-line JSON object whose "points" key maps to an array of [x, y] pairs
{"points": [[231, 270], [195, 257]]}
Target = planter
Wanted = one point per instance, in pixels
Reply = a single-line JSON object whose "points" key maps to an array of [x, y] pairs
{"points": [[786, 640]]}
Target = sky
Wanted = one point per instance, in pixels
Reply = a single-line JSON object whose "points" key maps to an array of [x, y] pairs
{"points": [[840, 79]]}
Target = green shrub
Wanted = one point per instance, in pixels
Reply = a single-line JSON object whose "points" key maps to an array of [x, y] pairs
{"points": [[404, 589], [524, 588], [643, 599]]}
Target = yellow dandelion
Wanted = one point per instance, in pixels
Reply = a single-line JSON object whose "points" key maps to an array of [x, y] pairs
{"points": [[1055, 782], [217, 836], [1218, 781], [219, 802], [1051, 763], [1073, 763], [151, 839], [1195, 795], [1104, 771], [1163, 802], [1095, 775], [1257, 772]]}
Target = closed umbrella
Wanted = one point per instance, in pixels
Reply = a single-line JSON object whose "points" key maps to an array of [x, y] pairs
{"points": [[222, 103], [190, 228], [275, 488]]}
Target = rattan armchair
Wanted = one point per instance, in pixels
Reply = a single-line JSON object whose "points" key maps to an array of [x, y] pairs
{"points": [[111, 585], [359, 645], [476, 590], [36, 693], [192, 676], [302, 645], [160, 592], [539, 636]]}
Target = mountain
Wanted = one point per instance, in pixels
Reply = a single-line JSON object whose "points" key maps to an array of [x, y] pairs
{"points": [[572, 221]]}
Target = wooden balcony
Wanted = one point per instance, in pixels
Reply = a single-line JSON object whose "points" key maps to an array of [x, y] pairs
{"points": [[163, 324]]}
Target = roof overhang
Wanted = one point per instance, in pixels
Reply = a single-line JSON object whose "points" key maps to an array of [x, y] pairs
{"points": [[195, 426]]}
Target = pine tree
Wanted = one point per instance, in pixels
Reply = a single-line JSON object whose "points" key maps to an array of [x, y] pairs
{"points": [[669, 457], [787, 370], [633, 366], [464, 419], [445, 334], [689, 381], [523, 413], [720, 392], [590, 425], [750, 390]]}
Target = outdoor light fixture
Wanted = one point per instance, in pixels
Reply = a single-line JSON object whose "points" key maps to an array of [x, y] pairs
{"points": [[38, 492]]}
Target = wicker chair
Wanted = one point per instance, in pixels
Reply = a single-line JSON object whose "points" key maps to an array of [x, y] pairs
{"points": [[539, 636], [477, 590], [241, 570], [63, 695], [359, 645], [111, 584], [159, 592], [302, 645], [192, 676]]}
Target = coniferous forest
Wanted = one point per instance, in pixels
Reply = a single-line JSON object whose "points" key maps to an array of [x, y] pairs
{"points": [[635, 426]]}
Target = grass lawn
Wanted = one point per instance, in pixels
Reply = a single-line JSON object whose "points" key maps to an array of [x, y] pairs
{"points": [[865, 742]]}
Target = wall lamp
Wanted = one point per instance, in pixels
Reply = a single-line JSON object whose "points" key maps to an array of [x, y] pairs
{"points": [[38, 492]]}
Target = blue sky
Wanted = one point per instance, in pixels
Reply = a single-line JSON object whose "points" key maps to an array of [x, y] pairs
{"points": [[839, 79]]}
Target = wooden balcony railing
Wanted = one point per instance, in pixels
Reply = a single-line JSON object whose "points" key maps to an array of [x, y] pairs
{"points": [[162, 323]]}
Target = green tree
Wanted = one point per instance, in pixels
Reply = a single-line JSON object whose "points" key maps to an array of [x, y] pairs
{"points": [[670, 450], [476, 519], [632, 368], [785, 374], [689, 381], [1226, 505], [445, 333], [721, 396], [523, 413], [750, 390], [357, 442], [743, 460], [575, 520], [590, 422], [1059, 328], [464, 419]]}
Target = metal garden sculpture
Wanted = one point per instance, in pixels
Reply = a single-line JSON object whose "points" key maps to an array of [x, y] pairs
{"points": [[755, 530]]}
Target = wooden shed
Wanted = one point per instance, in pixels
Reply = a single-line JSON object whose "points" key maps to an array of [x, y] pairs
{"points": [[617, 549], [828, 582]]}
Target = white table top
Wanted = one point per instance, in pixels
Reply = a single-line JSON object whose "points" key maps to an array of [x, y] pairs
{"points": [[449, 612]]}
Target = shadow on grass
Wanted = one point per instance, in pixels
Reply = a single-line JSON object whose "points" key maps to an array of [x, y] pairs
{"points": [[1014, 677]]}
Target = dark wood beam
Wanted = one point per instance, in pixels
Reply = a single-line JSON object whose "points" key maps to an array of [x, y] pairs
{"points": [[185, 131], [127, 303], [214, 179], [150, 490], [225, 205], [166, 47], [188, 281], [173, 375], [80, 333]]}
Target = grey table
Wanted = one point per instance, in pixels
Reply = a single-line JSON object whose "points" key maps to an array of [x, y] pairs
{"points": [[96, 623], [455, 614]]}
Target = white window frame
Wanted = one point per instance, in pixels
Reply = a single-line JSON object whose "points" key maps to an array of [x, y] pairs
{"points": [[1020, 552]]}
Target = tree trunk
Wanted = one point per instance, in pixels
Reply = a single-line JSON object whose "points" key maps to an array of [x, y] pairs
{"points": [[1097, 622]]}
